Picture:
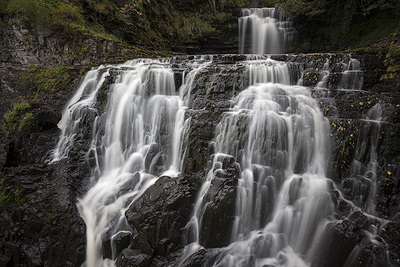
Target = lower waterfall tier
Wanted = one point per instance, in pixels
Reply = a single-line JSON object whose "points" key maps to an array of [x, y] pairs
{"points": [[279, 161]]}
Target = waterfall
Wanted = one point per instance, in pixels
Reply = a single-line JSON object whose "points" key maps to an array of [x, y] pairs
{"points": [[276, 132], [272, 143], [266, 29], [72, 116], [139, 137], [133, 143]]}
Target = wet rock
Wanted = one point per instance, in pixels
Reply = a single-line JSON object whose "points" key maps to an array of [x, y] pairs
{"points": [[115, 244], [219, 214], [161, 213], [103, 93], [48, 119], [391, 236], [134, 258], [40, 225], [310, 78], [343, 237], [360, 219], [199, 259], [371, 253], [200, 147]]}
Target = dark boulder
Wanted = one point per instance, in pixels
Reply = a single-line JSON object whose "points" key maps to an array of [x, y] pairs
{"points": [[160, 215], [343, 237], [134, 258], [219, 213]]}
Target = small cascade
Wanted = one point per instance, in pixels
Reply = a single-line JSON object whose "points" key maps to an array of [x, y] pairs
{"points": [[264, 71], [135, 140], [353, 76], [264, 31], [75, 110], [360, 187]]}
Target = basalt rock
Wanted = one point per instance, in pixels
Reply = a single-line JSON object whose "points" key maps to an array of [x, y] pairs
{"points": [[343, 237], [40, 225], [219, 214], [160, 215]]}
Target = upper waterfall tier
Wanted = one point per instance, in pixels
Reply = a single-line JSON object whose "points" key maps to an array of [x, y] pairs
{"points": [[264, 31]]}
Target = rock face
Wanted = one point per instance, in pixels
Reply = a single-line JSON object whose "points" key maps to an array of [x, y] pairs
{"points": [[40, 225], [219, 214], [160, 215]]}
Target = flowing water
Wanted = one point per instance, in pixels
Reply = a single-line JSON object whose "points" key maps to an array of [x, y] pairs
{"points": [[274, 131], [139, 137], [264, 31], [284, 208]]}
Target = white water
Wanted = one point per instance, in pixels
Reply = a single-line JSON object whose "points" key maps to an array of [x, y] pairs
{"points": [[264, 31], [283, 190], [82, 100], [133, 144], [141, 135]]}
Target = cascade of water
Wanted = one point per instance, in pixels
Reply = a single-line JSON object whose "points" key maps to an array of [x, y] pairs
{"points": [[138, 125], [363, 176], [74, 111], [264, 71], [270, 32], [140, 135], [274, 131], [285, 211], [353, 76], [281, 152], [135, 140]]}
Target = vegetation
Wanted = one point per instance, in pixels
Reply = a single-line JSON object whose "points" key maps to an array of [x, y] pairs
{"points": [[51, 79], [135, 22], [16, 195], [345, 24], [19, 118], [327, 25], [392, 60]]}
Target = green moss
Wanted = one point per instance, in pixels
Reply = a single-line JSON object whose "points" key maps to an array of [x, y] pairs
{"points": [[19, 197], [15, 196], [51, 79], [392, 59], [26, 122], [93, 30], [4, 198], [22, 106], [18, 118]]}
